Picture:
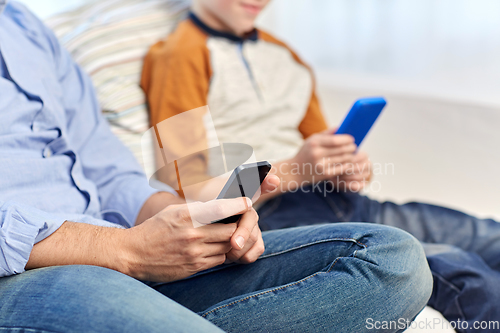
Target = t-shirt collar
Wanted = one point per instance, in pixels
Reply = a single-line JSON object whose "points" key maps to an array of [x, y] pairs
{"points": [[252, 35]]}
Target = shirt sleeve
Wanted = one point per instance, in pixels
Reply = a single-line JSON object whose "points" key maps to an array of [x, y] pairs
{"points": [[121, 183], [313, 121], [176, 78], [22, 226]]}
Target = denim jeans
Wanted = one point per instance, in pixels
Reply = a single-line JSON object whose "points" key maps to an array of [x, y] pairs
{"points": [[463, 251], [324, 278]]}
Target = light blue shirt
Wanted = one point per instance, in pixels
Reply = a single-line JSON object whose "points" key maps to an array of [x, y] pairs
{"points": [[59, 160]]}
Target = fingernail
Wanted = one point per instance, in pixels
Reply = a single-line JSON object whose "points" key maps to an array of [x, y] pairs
{"points": [[240, 241]]}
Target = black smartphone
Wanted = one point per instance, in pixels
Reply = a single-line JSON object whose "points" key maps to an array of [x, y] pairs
{"points": [[243, 182]]}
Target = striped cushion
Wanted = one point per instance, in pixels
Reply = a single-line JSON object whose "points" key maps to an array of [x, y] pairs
{"points": [[109, 39]]}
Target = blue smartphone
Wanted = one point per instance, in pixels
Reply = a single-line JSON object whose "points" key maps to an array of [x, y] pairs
{"points": [[361, 118]]}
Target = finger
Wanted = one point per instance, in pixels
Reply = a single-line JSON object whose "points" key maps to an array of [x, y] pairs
{"points": [[235, 254], [360, 157], [335, 140], [340, 150], [212, 261], [217, 232], [246, 225], [254, 253], [207, 212], [337, 169], [353, 178], [344, 160], [214, 249], [270, 183]]}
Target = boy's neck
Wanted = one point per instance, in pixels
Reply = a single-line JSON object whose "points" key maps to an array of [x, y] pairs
{"points": [[212, 21]]}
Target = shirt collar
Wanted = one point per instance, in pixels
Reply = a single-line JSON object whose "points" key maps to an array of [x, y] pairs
{"points": [[252, 35]]}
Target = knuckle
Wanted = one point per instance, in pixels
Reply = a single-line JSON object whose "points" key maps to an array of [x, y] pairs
{"points": [[245, 230], [229, 231], [219, 210], [191, 235], [253, 214], [183, 214], [192, 254], [261, 249], [248, 258], [254, 237], [245, 260]]}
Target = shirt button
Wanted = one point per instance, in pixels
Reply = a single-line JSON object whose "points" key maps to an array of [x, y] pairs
{"points": [[47, 152]]}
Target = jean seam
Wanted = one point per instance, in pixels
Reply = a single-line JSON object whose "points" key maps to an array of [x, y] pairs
{"points": [[26, 328], [288, 285], [312, 243], [456, 289], [266, 256]]}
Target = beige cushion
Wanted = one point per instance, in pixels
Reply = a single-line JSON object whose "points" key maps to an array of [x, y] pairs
{"points": [[109, 39]]}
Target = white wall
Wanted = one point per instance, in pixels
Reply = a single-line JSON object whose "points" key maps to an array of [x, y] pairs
{"points": [[451, 45], [438, 64]]}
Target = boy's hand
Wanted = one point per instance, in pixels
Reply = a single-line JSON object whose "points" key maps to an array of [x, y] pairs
{"points": [[357, 175], [326, 154]]}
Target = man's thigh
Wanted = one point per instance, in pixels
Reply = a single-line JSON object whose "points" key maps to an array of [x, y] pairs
{"points": [[346, 251], [90, 299]]}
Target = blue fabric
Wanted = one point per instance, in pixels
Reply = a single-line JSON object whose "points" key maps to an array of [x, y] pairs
{"points": [[325, 278], [57, 153], [463, 251]]}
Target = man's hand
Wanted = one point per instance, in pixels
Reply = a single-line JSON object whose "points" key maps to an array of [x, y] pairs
{"points": [[167, 247]]}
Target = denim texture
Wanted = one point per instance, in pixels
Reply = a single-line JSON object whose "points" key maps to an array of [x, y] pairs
{"points": [[463, 251], [324, 278]]}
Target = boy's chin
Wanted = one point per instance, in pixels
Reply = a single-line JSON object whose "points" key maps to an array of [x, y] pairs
{"points": [[245, 28]]}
